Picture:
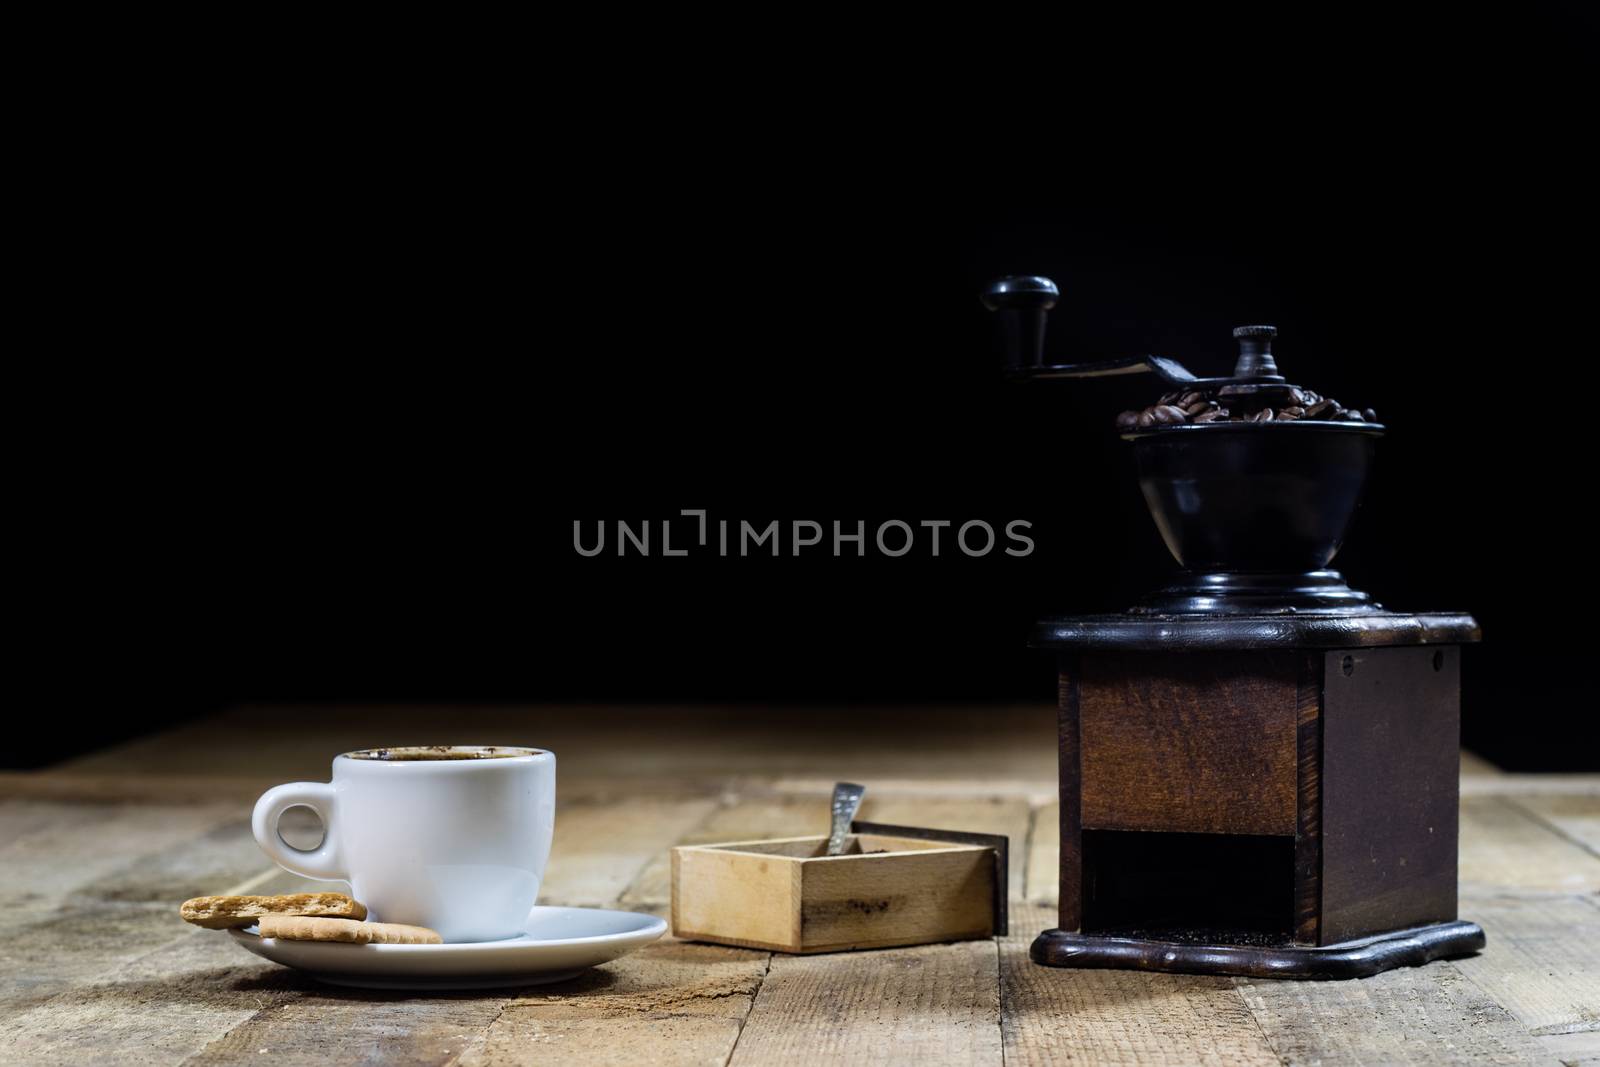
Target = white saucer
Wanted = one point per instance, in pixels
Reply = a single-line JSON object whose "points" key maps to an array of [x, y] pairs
{"points": [[559, 943]]}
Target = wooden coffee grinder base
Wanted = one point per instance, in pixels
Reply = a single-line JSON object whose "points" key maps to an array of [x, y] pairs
{"points": [[1264, 795]]}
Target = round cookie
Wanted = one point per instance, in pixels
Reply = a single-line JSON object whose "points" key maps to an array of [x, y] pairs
{"points": [[221, 913]]}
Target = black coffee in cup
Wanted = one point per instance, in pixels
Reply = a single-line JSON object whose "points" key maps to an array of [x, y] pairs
{"points": [[414, 753]]}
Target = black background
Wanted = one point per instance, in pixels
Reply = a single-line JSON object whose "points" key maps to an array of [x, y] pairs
{"points": [[387, 363]]}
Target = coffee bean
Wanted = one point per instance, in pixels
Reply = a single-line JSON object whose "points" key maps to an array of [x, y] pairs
{"points": [[1196, 406]]}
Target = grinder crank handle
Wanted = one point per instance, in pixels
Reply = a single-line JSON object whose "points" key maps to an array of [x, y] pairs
{"points": [[1023, 301]]}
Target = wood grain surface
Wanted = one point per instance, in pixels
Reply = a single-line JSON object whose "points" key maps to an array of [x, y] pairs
{"points": [[1390, 789], [779, 895], [1308, 801], [1052, 1015], [96, 967], [1165, 759]]}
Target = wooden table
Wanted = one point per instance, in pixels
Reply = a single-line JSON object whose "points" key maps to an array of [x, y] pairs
{"points": [[95, 965]]}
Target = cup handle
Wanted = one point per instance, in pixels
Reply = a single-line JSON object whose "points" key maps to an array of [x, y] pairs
{"points": [[324, 862]]}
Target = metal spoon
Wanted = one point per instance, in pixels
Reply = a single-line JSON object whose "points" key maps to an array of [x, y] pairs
{"points": [[846, 802]]}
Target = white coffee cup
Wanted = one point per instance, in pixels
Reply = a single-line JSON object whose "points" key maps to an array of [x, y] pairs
{"points": [[452, 837]]}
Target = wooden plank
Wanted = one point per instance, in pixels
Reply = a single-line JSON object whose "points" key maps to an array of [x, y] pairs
{"points": [[743, 817], [108, 917], [107, 903], [667, 976], [736, 817], [1574, 816], [1578, 1049], [1543, 960], [67, 788], [163, 1006], [1475, 766], [1413, 1015], [1043, 878], [211, 862], [43, 866], [1204, 743], [319, 1025], [521, 1036], [202, 996], [1504, 847], [670, 1003], [1057, 1015], [927, 1004], [21, 818], [1578, 785], [274, 881], [46, 952], [602, 846], [1025, 782]]}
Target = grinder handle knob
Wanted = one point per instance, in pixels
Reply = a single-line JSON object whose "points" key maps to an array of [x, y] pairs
{"points": [[1023, 301]]}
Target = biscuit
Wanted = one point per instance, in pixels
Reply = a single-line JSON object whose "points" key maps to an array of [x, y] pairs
{"points": [[220, 913], [401, 934], [301, 928]]}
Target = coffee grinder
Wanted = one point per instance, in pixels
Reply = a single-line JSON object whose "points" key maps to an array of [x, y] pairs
{"points": [[1259, 764]]}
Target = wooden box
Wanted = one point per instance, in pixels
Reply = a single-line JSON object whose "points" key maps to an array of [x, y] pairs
{"points": [[892, 886], [1283, 812]]}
